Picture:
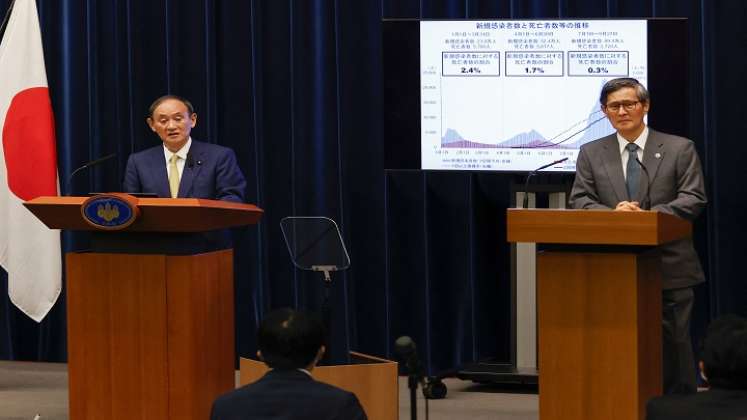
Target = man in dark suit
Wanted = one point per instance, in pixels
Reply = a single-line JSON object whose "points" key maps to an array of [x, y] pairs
{"points": [[724, 365], [640, 168], [290, 343], [182, 167]]}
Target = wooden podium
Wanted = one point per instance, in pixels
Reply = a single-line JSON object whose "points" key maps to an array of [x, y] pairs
{"points": [[599, 308], [150, 335]]}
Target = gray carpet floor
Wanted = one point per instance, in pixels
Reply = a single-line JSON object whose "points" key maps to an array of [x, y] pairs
{"points": [[28, 389]]}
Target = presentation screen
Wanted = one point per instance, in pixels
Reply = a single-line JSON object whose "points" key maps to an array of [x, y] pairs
{"points": [[515, 95]]}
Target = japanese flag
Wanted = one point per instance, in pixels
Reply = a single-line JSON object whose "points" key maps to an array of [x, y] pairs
{"points": [[29, 251]]}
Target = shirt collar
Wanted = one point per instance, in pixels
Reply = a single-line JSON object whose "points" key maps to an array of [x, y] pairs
{"points": [[305, 371], [182, 153], [640, 141], [298, 370]]}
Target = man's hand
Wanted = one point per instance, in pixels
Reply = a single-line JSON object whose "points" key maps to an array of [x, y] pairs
{"points": [[628, 206]]}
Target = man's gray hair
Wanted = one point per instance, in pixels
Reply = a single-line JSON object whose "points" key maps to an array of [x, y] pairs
{"points": [[624, 82]]}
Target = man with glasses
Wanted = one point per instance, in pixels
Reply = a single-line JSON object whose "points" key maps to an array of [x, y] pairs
{"points": [[638, 168]]}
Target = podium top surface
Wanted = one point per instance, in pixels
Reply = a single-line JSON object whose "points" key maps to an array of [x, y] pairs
{"points": [[156, 214], [595, 227]]}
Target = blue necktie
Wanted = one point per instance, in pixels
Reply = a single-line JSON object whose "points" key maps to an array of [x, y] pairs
{"points": [[633, 170]]}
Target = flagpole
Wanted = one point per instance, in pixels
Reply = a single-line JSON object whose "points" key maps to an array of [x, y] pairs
{"points": [[6, 18]]}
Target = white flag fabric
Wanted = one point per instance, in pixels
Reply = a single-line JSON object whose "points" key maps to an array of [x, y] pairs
{"points": [[29, 251]]}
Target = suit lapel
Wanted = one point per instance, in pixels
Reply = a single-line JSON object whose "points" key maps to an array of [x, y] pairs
{"points": [[613, 166], [191, 169], [157, 168], [652, 155]]}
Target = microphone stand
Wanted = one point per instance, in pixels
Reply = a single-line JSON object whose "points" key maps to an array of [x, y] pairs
{"points": [[326, 309], [406, 350], [525, 204], [90, 164], [648, 184], [412, 383]]}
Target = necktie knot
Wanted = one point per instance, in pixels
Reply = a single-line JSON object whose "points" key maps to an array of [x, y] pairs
{"points": [[631, 147]]}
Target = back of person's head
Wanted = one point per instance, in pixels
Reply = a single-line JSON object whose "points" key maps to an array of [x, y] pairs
{"points": [[725, 352], [289, 339]]}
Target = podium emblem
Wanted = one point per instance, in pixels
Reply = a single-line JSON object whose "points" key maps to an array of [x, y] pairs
{"points": [[110, 211]]}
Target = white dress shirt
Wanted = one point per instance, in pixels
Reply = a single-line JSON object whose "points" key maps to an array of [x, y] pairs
{"points": [[640, 141], [182, 158]]}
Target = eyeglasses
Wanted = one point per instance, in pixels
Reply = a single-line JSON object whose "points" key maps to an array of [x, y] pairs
{"points": [[628, 105]]}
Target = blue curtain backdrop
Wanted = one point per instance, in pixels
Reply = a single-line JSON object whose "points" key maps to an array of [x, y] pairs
{"points": [[295, 88]]}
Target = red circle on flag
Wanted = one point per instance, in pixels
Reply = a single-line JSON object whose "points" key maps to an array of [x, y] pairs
{"points": [[29, 144]]}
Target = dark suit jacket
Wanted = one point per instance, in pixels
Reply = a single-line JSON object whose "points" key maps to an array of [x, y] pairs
{"points": [[287, 395], [210, 172], [716, 404], [674, 185]]}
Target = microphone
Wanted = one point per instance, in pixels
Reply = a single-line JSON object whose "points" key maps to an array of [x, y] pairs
{"points": [[86, 166], [190, 160], [405, 348], [531, 174], [648, 183]]}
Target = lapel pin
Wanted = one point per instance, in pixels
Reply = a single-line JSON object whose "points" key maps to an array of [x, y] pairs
{"points": [[657, 155]]}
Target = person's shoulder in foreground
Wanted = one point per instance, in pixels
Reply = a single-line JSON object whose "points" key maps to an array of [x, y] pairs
{"points": [[715, 404], [290, 343], [287, 394], [724, 365]]}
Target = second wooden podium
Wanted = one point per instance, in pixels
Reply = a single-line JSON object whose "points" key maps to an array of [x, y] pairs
{"points": [[150, 334], [599, 308]]}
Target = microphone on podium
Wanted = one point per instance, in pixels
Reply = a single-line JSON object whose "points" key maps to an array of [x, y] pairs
{"points": [[525, 204], [86, 166]]}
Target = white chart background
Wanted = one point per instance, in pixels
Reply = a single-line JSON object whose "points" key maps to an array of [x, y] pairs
{"points": [[489, 110]]}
